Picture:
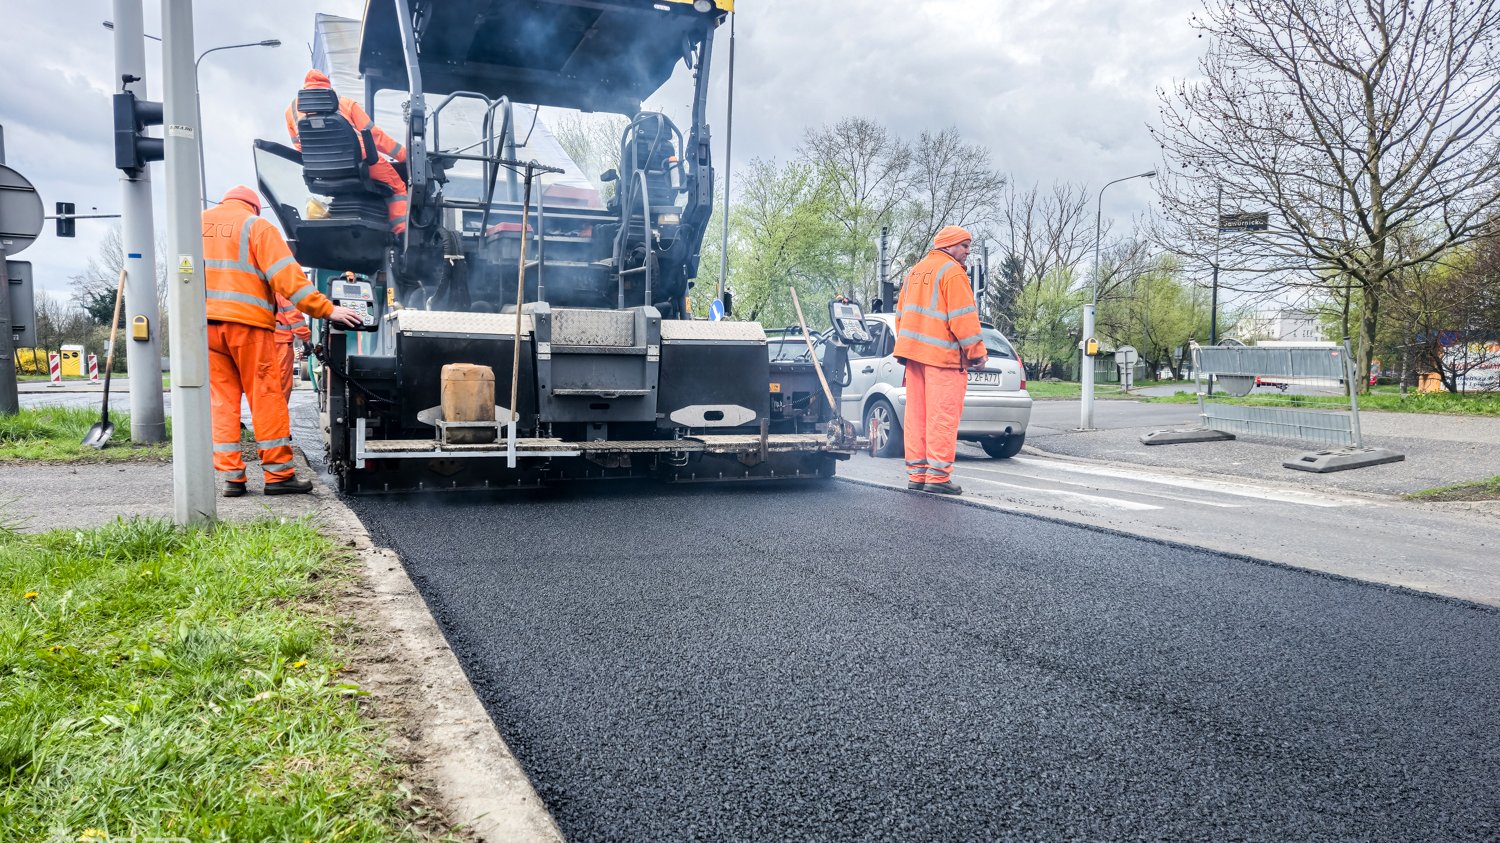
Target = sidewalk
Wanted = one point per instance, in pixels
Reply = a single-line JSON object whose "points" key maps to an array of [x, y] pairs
{"points": [[1440, 450]]}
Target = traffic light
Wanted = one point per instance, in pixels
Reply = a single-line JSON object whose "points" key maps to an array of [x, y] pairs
{"points": [[133, 149], [66, 225]]}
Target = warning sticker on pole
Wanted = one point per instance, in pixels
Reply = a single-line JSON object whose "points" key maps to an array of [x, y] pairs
{"points": [[185, 265]]}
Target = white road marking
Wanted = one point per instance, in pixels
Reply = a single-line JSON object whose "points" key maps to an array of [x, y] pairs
{"points": [[1113, 503], [1259, 493], [1107, 488]]}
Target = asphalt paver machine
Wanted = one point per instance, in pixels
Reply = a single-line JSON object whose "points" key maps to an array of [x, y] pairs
{"points": [[578, 308]]}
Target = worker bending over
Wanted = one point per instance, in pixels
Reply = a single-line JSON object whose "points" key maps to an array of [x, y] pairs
{"points": [[937, 337], [381, 170], [246, 267]]}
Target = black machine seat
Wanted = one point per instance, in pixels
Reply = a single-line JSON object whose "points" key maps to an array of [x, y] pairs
{"points": [[336, 158]]}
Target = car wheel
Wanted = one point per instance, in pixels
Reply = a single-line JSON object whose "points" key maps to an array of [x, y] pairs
{"points": [[884, 429], [1003, 447]]}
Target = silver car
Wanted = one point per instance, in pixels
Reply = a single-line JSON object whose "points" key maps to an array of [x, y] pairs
{"points": [[996, 405]]}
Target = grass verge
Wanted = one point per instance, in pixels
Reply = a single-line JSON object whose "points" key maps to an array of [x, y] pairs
{"points": [[185, 684], [1478, 490], [1073, 389], [55, 434], [1441, 403]]}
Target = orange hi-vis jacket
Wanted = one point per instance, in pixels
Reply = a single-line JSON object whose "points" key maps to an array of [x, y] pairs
{"points": [[937, 322], [353, 113], [290, 322], [246, 264]]}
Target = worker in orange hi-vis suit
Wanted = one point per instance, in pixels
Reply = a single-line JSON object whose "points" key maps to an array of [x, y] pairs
{"points": [[381, 170], [291, 326], [938, 338], [246, 263]]}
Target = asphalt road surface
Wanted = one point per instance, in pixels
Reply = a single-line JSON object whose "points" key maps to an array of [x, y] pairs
{"points": [[836, 661]]}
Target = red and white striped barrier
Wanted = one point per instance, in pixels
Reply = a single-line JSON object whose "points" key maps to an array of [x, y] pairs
{"points": [[93, 368], [54, 368]]}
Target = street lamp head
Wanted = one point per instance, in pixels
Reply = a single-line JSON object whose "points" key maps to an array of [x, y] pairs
{"points": [[271, 42], [109, 24], [1149, 174]]}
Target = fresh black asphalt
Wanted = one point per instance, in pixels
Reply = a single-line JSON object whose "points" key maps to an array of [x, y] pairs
{"points": [[838, 662]]}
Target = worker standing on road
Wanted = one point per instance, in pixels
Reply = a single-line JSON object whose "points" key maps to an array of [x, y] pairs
{"points": [[381, 170], [291, 326], [246, 265], [938, 338]]}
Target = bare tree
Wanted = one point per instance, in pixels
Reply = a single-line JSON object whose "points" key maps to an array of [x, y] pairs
{"points": [[593, 142], [1042, 236], [1349, 120], [866, 173], [951, 183]]}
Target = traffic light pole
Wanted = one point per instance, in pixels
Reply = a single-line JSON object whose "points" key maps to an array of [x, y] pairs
{"points": [[138, 242], [192, 441]]}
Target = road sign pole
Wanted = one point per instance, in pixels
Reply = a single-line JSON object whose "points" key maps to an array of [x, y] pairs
{"points": [[192, 442], [10, 401], [138, 242]]}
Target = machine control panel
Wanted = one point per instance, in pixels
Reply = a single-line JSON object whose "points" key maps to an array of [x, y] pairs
{"points": [[848, 321], [359, 296]]}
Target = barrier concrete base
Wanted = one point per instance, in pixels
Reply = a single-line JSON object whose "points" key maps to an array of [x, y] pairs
{"points": [[1180, 437], [1342, 459]]}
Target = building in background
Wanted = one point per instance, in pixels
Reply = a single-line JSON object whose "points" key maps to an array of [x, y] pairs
{"points": [[1283, 325]]}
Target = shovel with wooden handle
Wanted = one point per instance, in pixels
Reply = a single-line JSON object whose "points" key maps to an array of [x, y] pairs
{"points": [[99, 435], [840, 432]]}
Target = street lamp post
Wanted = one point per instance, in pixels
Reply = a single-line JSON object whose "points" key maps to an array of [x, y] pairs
{"points": [[1086, 409], [198, 97], [198, 105]]}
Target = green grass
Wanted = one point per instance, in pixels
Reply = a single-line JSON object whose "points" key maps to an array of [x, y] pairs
{"points": [[1073, 389], [1479, 490], [1442, 403], [162, 682], [55, 434], [166, 380]]}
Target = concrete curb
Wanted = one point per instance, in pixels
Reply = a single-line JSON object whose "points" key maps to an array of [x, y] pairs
{"points": [[454, 743]]}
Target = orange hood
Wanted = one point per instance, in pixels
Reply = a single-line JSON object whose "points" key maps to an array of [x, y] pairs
{"points": [[316, 79]]}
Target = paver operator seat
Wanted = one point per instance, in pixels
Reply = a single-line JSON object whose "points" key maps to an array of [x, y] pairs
{"points": [[336, 163]]}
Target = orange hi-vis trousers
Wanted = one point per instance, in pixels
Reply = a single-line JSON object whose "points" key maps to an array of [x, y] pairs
{"points": [[396, 203], [286, 362], [934, 404], [243, 360]]}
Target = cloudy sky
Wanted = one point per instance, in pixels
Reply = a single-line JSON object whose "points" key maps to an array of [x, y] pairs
{"points": [[1058, 89]]}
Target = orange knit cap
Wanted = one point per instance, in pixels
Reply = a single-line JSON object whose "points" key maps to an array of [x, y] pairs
{"points": [[244, 194], [950, 235]]}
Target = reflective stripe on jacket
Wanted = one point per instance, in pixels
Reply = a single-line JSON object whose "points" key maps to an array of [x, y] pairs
{"points": [[290, 322], [937, 322], [357, 118], [246, 263]]}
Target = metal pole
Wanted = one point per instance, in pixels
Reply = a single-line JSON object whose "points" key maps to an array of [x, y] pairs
{"points": [[138, 245], [1086, 364], [192, 445], [10, 399], [887, 289], [728, 151], [1213, 299]]}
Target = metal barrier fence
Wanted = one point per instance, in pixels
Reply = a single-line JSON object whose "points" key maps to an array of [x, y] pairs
{"points": [[1304, 393], [1310, 393]]}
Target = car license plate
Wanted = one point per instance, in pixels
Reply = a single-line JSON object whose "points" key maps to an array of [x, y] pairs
{"points": [[990, 378]]}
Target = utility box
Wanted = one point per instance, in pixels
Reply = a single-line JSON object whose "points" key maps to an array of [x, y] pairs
{"points": [[72, 361]]}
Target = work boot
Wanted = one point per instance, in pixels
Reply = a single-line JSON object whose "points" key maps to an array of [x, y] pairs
{"points": [[915, 485], [234, 489], [949, 488], [291, 486]]}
